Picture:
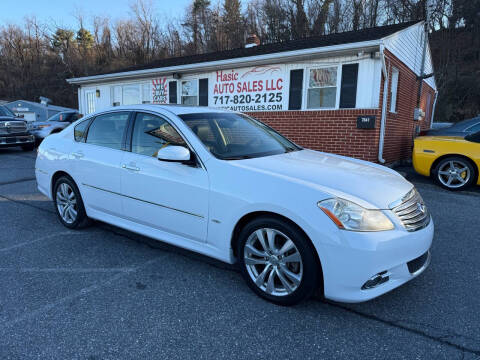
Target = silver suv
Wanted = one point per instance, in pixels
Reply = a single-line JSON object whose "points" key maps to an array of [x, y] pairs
{"points": [[54, 124]]}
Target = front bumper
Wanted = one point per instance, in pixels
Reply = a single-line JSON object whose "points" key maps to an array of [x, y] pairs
{"points": [[16, 140], [397, 256]]}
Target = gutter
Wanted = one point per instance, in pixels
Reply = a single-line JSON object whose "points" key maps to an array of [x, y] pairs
{"points": [[384, 105], [229, 63]]}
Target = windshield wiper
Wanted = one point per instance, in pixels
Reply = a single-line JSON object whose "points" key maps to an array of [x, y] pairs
{"points": [[238, 157]]}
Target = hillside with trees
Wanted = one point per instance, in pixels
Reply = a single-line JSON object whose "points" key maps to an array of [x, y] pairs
{"points": [[36, 58]]}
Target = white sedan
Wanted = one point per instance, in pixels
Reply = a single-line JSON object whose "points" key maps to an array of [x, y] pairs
{"points": [[225, 185]]}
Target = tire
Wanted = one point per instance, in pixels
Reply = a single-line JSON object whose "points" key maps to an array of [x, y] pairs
{"points": [[455, 173], [62, 198], [292, 281], [29, 147]]}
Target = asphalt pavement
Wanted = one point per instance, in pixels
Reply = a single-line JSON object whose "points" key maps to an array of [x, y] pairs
{"points": [[106, 293]]}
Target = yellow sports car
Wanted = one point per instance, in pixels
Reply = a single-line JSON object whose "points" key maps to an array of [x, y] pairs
{"points": [[453, 161]]}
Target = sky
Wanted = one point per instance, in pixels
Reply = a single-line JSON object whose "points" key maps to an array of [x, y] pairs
{"points": [[61, 12]]}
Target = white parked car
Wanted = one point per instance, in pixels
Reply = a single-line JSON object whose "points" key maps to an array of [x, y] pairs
{"points": [[227, 186]]}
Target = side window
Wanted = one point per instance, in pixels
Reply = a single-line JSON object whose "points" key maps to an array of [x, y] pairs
{"points": [[107, 130], [72, 117], [80, 129], [151, 133]]}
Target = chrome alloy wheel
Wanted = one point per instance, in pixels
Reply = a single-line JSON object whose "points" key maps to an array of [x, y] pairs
{"points": [[454, 174], [66, 203], [273, 262]]}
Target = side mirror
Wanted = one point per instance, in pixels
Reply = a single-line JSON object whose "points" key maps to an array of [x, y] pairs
{"points": [[174, 153]]}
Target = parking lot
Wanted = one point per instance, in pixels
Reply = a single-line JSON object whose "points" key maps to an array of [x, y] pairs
{"points": [[104, 293]]}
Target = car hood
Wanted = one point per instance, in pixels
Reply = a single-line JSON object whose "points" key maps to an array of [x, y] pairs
{"points": [[368, 184], [36, 123], [9, 118], [441, 138]]}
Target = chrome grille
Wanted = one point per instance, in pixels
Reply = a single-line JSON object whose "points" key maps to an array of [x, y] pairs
{"points": [[12, 127], [411, 211]]}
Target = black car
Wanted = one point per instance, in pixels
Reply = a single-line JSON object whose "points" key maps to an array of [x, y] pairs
{"points": [[462, 128], [14, 132]]}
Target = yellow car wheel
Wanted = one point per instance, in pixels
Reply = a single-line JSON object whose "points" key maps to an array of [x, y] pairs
{"points": [[454, 173]]}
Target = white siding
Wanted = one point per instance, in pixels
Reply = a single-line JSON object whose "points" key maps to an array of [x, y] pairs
{"points": [[368, 85], [407, 45]]}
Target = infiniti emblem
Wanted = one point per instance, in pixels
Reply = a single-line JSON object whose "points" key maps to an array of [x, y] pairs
{"points": [[421, 208]]}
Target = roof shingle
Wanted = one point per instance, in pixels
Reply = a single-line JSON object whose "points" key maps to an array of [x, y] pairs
{"points": [[369, 34]]}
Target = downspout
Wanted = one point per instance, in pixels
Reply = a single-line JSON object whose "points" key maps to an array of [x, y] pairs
{"points": [[433, 108], [384, 105]]}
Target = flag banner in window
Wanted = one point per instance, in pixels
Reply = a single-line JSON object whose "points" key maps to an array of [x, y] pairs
{"points": [[160, 91], [323, 77]]}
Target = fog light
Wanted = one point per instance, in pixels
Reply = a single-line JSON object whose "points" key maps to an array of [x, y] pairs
{"points": [[378, 279]]}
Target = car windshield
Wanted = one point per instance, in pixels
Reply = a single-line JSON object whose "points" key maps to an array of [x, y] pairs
{"points": [[4, 111], [231, 136]]}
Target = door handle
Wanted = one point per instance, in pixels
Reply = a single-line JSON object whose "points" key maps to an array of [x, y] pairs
{"points": [[77, 155], [128, 167]]}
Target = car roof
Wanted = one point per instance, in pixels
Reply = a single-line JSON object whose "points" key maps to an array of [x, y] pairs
{"points": [[175, 109]]}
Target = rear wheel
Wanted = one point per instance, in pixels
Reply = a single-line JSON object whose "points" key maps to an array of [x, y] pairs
{"points": [[68, 204], [277, 261], [454, 173]]}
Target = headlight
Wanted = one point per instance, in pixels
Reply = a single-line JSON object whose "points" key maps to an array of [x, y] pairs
{"points": [[42, 126], [350, 216]]}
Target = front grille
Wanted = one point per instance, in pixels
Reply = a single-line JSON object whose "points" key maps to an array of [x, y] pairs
{"points": [[412, 211], [13, 127], [417, 264]]}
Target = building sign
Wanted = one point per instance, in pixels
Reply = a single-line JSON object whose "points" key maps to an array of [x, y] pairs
{"points": [[366, 122], [260, 88], [160, 91]]}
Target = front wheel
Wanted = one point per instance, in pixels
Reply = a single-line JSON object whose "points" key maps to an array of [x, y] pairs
{"points": [[68, 204], [454, 173], [277, 261]]}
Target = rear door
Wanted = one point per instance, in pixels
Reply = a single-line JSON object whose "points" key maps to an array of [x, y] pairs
{"points": [[167, 196], [97, 162]]}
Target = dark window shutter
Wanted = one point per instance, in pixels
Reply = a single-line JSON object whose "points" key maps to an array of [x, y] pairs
{"points": [[296, 90], [348, 90], [203, 92], [172, 92]]}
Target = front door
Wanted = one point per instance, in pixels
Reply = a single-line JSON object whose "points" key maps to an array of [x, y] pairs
{"points": [[98, 160], [167, 196]]}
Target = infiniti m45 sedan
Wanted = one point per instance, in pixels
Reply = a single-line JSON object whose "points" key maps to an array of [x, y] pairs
{"points": [[225, 185]]}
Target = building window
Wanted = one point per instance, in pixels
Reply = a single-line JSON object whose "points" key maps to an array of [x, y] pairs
{"points": [[190, 92], [117, 95], [131, 95], [90, 97], [393, 90], [322, 88], [172, 92]]}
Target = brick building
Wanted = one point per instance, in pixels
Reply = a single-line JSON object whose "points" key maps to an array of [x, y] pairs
{"points": [[352, 93]]}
